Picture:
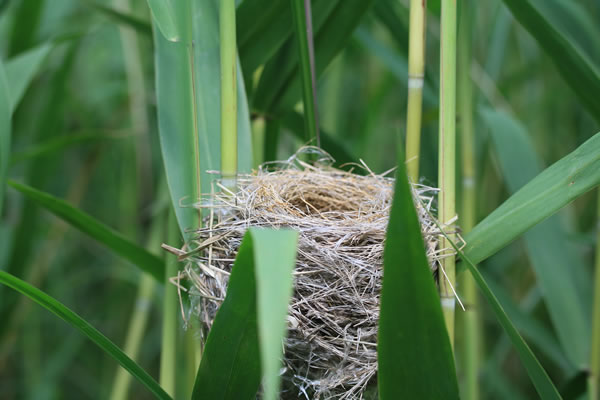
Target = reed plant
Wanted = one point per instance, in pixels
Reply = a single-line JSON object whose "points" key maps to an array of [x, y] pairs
{"points": [[105, 150]]}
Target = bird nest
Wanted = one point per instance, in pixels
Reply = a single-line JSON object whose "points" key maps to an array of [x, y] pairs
{"points": [[341, 218]]}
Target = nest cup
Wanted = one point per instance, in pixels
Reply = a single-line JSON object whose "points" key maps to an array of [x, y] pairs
{"points": [[341, 217]]}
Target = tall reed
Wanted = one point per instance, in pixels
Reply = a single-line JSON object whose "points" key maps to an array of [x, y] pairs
{"points": [[416, 72], [447, 154], [471, 333], [228, 92], [304, 38]]}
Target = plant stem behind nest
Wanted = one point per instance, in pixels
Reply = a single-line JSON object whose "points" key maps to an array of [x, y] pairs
{"points": [[228, 93], [416, 68], [447, 154], [470, 321]]}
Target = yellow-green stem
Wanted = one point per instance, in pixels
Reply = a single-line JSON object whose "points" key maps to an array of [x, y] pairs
{"points": [[416, 71], [471, 329], [594, 378], [447, 155], [228, 92]]}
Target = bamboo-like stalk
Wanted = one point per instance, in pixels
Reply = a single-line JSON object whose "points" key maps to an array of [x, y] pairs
{"points": [[303, 23], [416, 72], [447, 155], [594, 376], [228, 92], [471, 319], [169, 325]]}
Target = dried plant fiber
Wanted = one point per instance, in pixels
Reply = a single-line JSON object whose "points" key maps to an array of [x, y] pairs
{"points": [[341, 217]]}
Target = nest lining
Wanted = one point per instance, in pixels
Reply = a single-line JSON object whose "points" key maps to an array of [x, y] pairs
{"points": [[341, 217]]}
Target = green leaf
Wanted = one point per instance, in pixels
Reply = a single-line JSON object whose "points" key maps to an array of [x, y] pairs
{"points": [[543, 196], [575, 68], [333, 24], [5, 128], [107, 236], [247, 333], [60, 310], [21, 69], [188, 95], [560, 270], [274, 261], [412, 338], [538, 375]]}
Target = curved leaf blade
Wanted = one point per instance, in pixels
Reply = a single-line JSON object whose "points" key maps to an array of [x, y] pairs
{"points": [[543, 196], [249, 327], [64, 313], [412, 338], [116, 242]]}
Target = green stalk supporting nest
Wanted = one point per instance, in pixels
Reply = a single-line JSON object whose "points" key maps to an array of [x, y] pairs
{"points": [[447, 155], [416, 68]]}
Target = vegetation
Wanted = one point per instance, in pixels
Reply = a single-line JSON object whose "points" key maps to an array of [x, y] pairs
{"points": [[111, 114]]}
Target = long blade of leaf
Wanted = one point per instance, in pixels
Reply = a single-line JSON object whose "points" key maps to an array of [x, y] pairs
{"points": [[105, 235], [561, 272], [21, 69], [543, 196], [274, 261], [5, 127], [64, 313], [412, 338], [575, 68], [247, 333]]}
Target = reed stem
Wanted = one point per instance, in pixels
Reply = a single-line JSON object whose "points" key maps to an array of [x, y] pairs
{"points": [[447, 156], [471, 325], [594, 376], [228, 92], [304, 34], [416, 73]]}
